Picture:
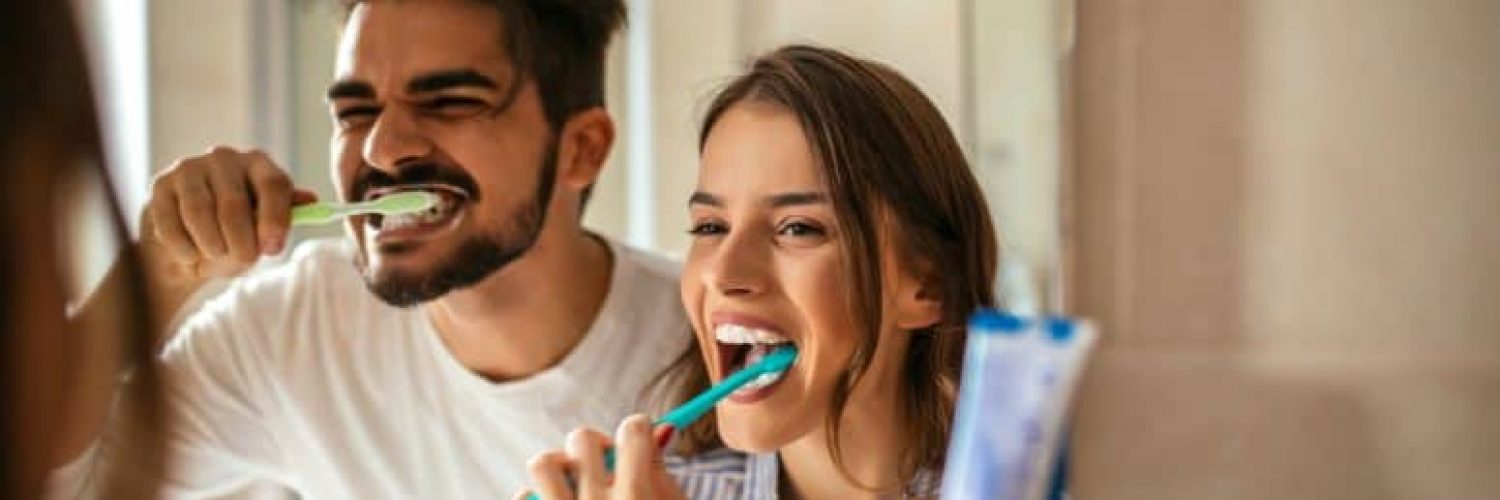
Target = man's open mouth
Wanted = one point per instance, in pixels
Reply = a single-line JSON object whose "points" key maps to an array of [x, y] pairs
{"points": [[451, 201], [741, 346]]}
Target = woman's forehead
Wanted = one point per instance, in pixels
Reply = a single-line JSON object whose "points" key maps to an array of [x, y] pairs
{"points": [[756, 149]]}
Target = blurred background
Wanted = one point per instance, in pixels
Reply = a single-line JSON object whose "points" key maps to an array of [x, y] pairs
{"points": [[1284, 214]]}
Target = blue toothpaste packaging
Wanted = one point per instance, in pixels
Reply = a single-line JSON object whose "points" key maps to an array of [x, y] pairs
{"points": [[1010, 426]]}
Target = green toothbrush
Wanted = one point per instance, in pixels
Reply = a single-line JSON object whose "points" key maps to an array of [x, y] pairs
{"points": [[405, 202], [778, 361]]}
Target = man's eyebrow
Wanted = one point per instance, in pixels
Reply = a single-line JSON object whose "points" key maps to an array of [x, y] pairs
{"points": [[702, 198], [350, 89], [803, 198], [442, 80]]}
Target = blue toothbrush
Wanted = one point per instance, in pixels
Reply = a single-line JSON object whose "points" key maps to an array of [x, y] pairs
{"points": [[778, 361]]}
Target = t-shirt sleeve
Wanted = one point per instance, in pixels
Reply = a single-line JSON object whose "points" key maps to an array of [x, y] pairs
{"points": [[218, 436], [218, 386], [223, 383]]}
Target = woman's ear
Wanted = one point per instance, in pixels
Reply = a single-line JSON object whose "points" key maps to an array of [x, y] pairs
{"points": [[583, 145], [918, 301]]}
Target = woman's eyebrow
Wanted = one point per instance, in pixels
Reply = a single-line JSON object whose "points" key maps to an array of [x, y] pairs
{"points": [[797, 198], [774, 201]]}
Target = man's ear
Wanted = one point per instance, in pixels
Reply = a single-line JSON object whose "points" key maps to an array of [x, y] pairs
{"points": [[583, 146], [919, 302]]}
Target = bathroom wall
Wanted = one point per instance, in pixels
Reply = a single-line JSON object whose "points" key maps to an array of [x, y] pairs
{"points": [[1286, 216]]}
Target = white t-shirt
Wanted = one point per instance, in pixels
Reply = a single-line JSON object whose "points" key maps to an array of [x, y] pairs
{"points": [[301, 376]]}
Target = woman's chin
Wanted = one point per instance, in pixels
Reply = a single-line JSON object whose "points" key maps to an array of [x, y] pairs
{"points": [[752, 445], [750, 438]]}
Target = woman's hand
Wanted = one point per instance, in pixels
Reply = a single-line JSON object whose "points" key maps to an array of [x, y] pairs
{"points": [[639, 473]]}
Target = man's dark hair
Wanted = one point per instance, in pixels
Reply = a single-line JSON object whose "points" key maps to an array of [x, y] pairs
{"points": [[558, 44]]}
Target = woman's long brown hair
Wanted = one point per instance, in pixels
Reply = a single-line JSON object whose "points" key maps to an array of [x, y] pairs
{"points": [[896, 177], [46, 105]]}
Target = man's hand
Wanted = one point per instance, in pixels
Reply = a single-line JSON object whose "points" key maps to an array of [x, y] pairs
{"points": [[210, 216], [214, 215], [579, 473]]}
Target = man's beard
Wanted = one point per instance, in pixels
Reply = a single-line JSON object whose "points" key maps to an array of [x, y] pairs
{"points": [[475, 258]]}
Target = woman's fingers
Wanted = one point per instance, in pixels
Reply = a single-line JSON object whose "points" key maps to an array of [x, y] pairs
{"points": [[549, 472], [581, 472], [586, 451], [635, 457]]}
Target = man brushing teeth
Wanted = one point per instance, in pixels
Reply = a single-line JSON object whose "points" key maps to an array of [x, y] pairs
{"points": [[429, 355], [442, 215], [413, 258]]}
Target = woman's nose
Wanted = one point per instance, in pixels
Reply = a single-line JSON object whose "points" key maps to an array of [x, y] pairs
{"points": [[738, 268]]}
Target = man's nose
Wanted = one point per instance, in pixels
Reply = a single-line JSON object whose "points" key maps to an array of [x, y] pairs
{"points": [[394, 140]]}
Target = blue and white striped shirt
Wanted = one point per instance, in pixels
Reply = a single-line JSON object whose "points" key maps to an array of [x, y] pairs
{"points": [[726, 474]]}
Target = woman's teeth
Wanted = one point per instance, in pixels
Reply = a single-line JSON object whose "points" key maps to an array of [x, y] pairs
{"points": [[737, 334], [761, 382], [759, 343]]}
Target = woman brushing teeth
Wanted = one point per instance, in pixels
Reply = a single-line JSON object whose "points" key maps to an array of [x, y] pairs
{"points": [[834, 212]]}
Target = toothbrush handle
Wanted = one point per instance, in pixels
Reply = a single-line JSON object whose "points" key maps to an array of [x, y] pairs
{"points": [[314, 213], [695, 408]]}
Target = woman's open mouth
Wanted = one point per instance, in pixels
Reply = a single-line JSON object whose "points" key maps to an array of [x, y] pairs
{"points": [[442, 216], [740, 346]]}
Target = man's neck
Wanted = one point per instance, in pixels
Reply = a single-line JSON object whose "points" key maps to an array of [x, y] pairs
{"points": [[530, 314]]}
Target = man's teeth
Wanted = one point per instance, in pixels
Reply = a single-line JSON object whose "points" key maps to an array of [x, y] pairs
{"points": [[439, 212], [738, 334]]}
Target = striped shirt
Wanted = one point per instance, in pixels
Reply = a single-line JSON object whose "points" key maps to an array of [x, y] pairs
{"points": [[726, 474]]}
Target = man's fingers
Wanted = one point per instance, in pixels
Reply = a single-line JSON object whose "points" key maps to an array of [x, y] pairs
{"points": [[231, 193], [199, 213], [303, 196], [586, 450], [273, 203], [635, 456], [166, 226], [216, 213], [549, 473]]}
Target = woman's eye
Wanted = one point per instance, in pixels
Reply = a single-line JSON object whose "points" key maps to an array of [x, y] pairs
{"points": [[799, 229], [707, 229]]}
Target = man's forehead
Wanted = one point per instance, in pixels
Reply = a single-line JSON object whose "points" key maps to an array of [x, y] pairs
{"points": [[386, 43]]}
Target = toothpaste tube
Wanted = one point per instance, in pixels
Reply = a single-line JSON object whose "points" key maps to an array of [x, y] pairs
{"points": [[1019, 375]]}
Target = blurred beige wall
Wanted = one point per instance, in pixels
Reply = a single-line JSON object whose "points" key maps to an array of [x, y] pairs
{"points": [[201, 77], [1287, 219]]}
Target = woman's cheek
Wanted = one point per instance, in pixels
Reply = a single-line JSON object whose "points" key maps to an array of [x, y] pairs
{"points": [[824, 302]]}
